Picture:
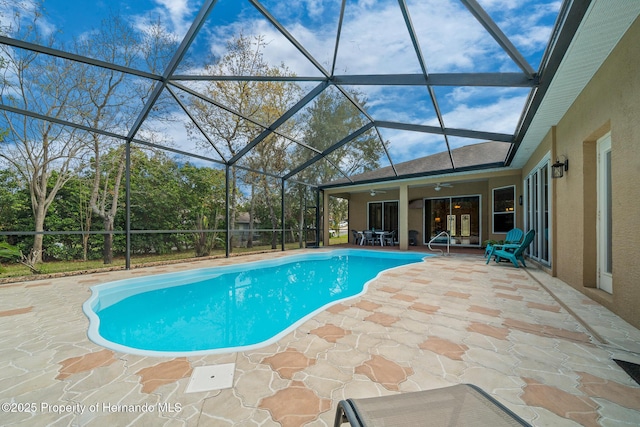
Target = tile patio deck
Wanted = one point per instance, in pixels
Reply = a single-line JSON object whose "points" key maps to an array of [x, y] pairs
{"points": [[535, 344]]}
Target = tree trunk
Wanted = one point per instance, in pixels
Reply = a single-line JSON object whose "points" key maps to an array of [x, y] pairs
{"points": [[252, 207], [98, 202], [108, 241], [272, 214], [39, 212], [232, 208], [202, 246], [86, 235], [85, 246]]}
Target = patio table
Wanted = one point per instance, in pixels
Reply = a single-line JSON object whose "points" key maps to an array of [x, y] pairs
{"points": [[381, 235]]}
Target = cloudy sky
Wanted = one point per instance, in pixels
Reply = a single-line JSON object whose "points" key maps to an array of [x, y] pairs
{"points": [[373, 40]]}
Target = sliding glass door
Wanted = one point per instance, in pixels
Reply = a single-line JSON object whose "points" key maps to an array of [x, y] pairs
{"points": [[536, 189], [604, 224], [459, 216]]}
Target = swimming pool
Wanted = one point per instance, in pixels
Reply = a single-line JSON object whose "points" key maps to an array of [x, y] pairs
{"points": [[231, 308]]}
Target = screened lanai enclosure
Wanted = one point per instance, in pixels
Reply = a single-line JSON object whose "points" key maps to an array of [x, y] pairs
{"points": [[133, 132]]}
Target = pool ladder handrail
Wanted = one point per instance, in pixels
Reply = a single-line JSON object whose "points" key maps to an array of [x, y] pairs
{"points": [[435, 237]]}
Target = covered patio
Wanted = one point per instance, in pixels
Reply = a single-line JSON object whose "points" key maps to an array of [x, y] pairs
{"points": [[539, 347]]}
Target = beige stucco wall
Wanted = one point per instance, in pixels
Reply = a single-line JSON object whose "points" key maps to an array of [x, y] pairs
{"points": [[610, 102], [544, 151]]}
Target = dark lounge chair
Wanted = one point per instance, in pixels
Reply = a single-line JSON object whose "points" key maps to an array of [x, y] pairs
{"points": [[458, 405]]}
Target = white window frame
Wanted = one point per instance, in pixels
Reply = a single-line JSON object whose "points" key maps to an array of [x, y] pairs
{"points": [[604, 252]]}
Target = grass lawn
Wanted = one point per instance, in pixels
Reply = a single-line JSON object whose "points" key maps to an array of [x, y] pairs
{"points": [[340, 240], [16, 270]]}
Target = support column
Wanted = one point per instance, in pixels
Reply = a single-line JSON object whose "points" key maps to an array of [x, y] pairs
{"points": [[282, 215], [127, 186], [227, 180], [403, 217], [325, 219]]}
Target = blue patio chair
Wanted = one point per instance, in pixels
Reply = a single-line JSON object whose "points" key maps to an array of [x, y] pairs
{"points": [[514, 237], [513, 253]]}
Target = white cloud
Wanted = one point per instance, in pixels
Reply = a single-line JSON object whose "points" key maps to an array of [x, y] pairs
{"points": [[501, 5], [175, 15], [406, 145], [278, 49], [314, 7], [22, 13], [374, 38], [179, 14], [501, 116], [528, 23]]}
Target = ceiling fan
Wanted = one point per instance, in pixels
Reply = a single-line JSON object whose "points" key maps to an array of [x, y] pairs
{"points": [[374, 192], [440, 185]]}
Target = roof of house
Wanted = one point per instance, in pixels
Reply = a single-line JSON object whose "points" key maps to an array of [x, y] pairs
{"points": [[489, 154]]}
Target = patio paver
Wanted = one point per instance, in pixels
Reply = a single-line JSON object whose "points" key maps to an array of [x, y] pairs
{"points": [[538, 346]]}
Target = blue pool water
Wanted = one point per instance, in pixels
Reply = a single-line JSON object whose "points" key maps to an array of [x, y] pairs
{"points": [[229, 308]]}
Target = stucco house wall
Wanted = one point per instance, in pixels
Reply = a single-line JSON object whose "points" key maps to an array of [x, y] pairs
{"points": [[610, 102]]}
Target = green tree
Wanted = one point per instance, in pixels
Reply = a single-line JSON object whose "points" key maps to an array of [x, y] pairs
{"points": [[12, 200], [156, 201], [271, 154], [331, 118], [67, 213], [254, 101], [203, 198]]}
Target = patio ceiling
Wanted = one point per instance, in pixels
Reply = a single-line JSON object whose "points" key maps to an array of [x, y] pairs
{"points": [[422, 77]]}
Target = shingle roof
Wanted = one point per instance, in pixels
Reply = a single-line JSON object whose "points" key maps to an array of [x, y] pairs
{"points": [[477, 155]]}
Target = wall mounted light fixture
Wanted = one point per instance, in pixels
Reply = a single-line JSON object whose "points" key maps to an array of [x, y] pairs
{"points": [[559, 168]]}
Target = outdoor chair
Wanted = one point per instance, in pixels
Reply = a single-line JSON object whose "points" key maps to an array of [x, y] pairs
{"points": [[513, 237], [391, 239], [413, 237], [356, 237], [513, 253], [457, 405], [369, 237]]}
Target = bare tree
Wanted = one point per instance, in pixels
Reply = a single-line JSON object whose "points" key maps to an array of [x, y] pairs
{"points": [[35, 148], [113, 101]]}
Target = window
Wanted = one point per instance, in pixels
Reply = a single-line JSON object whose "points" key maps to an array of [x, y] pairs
{"points": [[504, 215], [383, 215]]}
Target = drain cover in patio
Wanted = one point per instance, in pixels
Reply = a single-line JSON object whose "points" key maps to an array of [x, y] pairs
{"points": [[213, 377]]}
